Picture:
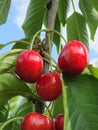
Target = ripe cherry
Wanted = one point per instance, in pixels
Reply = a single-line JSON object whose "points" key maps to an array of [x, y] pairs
{"points": [[59, 122], [73, 57], [36, 121], [29, 65], [49, 86]]}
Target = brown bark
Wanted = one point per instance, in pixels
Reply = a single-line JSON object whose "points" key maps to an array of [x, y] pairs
{"points": [[51, 22]]}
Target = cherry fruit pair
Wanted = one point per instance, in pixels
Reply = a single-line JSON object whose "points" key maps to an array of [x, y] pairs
{"points": [[37, 121], [29, 66]]}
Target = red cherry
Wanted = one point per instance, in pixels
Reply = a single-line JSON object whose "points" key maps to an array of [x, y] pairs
{"points": [[73, 57], [29, 65], [59, 122], [49, 86], [36, 121]]}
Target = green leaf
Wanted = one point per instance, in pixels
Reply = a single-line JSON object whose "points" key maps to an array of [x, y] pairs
{"points": [[90, 14], [93, 70], [62, 10], [95, 4], [24, 108], [12, 104], [2, 46], [56, 38], [34, 17], [21, 110], [58, 104], [11, 86], [8, 59], [82, 102], [4, 109], [76, 28], [22, 43], [13, 126], [4, 10]]}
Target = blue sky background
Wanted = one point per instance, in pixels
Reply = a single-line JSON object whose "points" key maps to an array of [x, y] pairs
{"points": [[12, 30]]}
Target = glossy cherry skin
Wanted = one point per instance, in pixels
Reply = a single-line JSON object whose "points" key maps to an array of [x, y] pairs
{"points": [[49, 86], [36, 121], [59, 122], [29, 66], [73, 57]]}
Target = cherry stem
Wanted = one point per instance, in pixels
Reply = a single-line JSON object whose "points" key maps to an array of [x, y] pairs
{"points": [[47, 31], [49, 57], [9, 121], [35, 96], [36, 34], [50, 47], [52, 65]]}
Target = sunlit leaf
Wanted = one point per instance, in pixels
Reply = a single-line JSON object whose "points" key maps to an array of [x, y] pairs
{"points": [[34, 17], [93, 70], [76, 28], [90, 14], [11, 86], [8, 59]]}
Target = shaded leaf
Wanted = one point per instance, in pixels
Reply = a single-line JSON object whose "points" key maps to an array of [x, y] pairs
{"points": [[4, 10], [4, 109], [56, 38], [13, 126], [76, 28], [62, 10], [58, 104], [22, 44], [82, 102], [90, 14], [93, 70], [95, 3], [11, 86], [34, 17]]}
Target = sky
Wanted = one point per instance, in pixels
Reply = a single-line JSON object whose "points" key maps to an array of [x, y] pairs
{"points": [[12, 30]]}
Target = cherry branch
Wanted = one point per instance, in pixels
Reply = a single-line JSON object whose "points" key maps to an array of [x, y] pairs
{"points": [[51, 22]]}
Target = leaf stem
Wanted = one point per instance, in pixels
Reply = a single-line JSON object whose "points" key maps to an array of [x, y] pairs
{"points": [[49, 62], [35, 35], [47, 31], [45, 53]]}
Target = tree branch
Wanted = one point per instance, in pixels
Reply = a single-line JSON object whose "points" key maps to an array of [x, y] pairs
{"points": [[51, 23], [39, 107]]}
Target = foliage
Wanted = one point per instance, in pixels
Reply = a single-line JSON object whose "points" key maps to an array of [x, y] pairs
{"points": [[79, 101]]}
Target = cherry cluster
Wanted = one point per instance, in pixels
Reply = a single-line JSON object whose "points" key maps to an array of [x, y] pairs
{"points": [[29, 66]]}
